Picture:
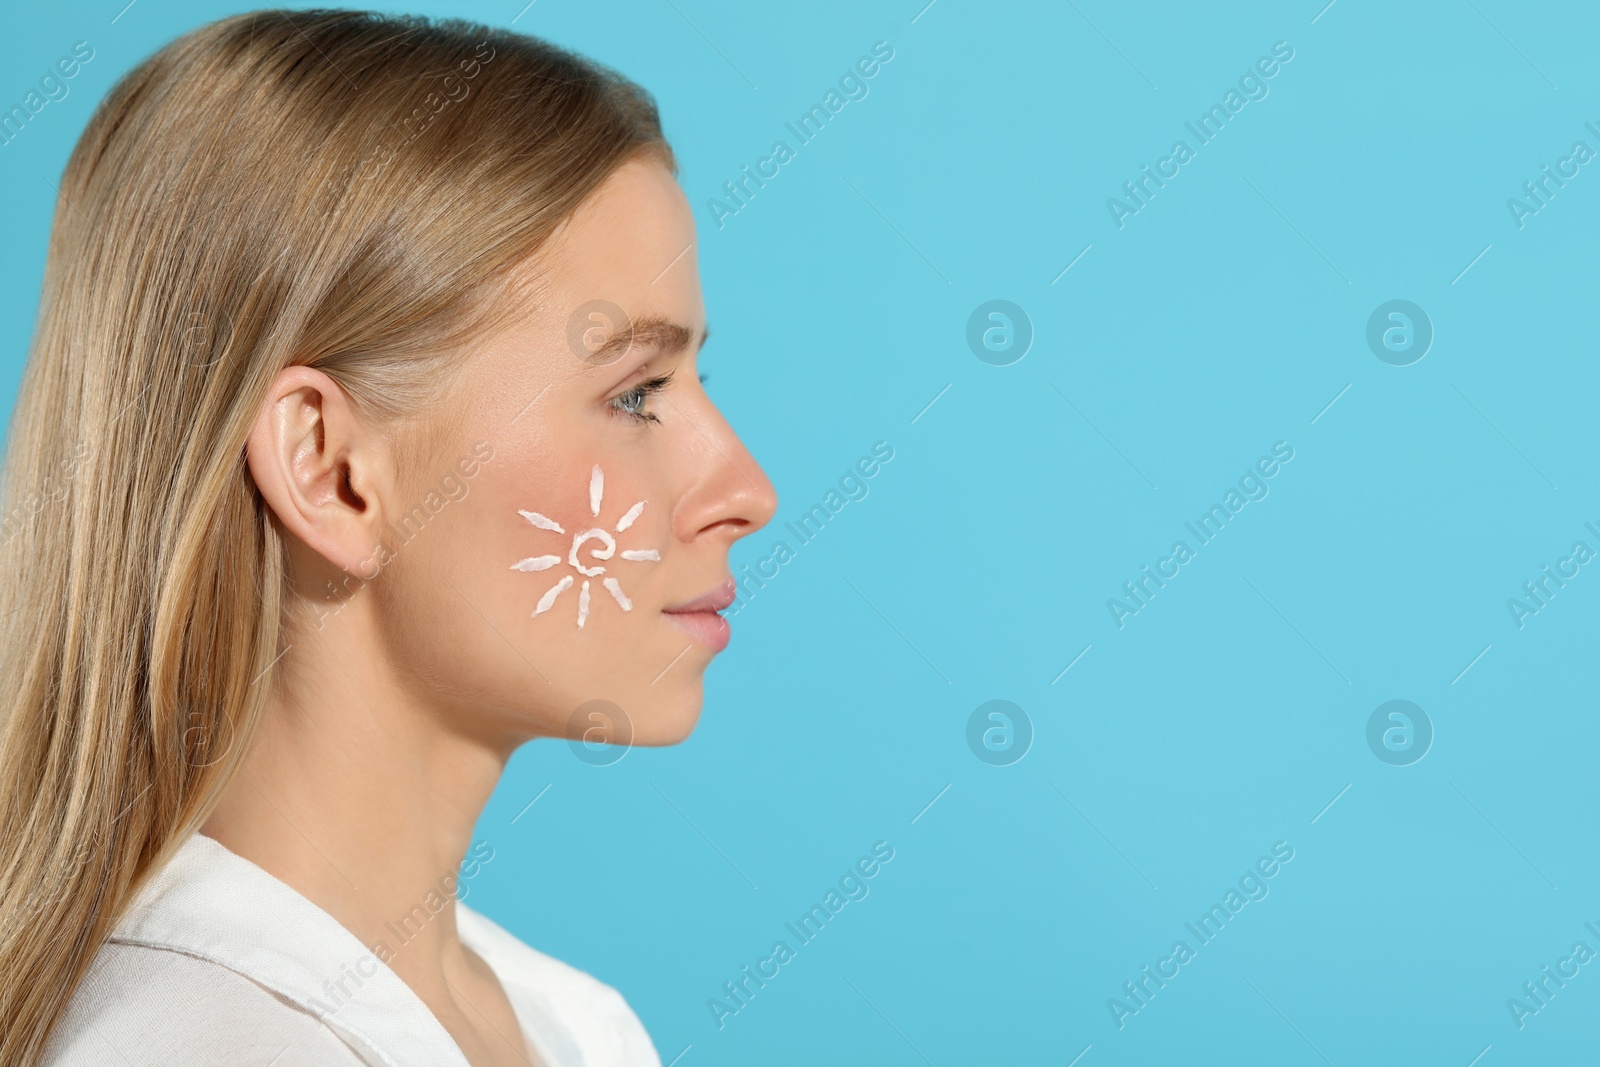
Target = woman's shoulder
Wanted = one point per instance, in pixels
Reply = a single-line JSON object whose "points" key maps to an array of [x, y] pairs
{"points": [[559, 995], [145, 1006]]}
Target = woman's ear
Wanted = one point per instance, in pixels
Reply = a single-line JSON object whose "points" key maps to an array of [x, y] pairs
{"points": [[321, 467]]}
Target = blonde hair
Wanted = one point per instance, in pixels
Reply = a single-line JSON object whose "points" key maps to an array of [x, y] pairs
{"points": [[332, 189]]}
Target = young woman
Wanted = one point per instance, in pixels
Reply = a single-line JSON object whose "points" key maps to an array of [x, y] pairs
{"points": [[361, 442]]}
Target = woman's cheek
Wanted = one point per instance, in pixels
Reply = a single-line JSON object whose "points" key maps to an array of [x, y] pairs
{"points": [[579, 559]]}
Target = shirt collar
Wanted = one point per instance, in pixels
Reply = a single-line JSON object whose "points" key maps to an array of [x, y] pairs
{"points": [[211, 903]]}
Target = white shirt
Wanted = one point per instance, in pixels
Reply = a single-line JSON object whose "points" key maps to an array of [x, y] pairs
{"points": [[218, 962]]}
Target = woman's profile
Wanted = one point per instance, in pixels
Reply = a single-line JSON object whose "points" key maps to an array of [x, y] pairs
{"points": [[360, 442]]}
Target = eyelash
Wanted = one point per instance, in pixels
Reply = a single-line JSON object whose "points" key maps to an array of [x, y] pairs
{"points": [[639, 394]]}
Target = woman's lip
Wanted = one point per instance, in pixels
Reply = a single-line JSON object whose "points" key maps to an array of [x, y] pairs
{"points": [[705, 626], [716, 600]]}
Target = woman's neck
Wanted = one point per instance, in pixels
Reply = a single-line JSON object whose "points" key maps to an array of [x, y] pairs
{"points": [[358, 796]]}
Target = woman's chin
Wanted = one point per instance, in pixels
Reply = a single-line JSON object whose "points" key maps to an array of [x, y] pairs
{"points": [[668, 722], [654, 717]]}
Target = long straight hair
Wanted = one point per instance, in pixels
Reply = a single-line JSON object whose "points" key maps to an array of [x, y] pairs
{"points": [[333, 189]]}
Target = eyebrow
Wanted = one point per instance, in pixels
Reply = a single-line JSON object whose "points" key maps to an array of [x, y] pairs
{"points": [[652, 331]]}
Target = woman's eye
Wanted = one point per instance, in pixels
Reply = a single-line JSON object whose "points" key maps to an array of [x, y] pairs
{"points": [[632, 403]]}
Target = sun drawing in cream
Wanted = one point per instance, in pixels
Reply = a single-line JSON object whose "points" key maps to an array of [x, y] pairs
{"points": [[606, 549]]}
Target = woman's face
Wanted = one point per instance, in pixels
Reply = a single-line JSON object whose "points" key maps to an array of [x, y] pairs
{"points": [[576, 466]]}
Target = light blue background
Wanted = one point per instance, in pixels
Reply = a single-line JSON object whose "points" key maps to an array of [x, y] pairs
{"points": [[1227, 714]]}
